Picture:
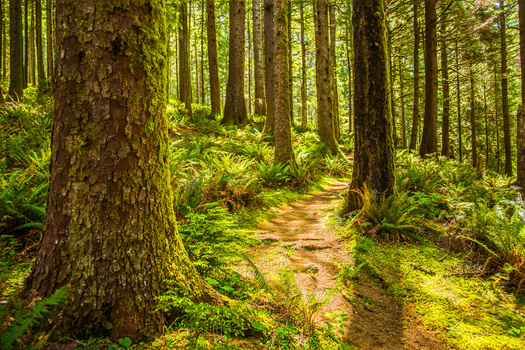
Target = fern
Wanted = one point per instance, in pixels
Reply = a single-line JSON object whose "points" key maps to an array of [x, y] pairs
{"points": [[259, 277]]}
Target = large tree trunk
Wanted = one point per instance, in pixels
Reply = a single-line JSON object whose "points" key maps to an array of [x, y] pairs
{"points": [[50, 39], [429, 139], [39, 47], [258, 58], [304, 117], [235, 105], [110, 231], [268, 64], [282, 122], [504, 92], [16, 66], [445, 126], [212, 59], [520, 172], [323, 78], [184, 59], [415, 111], [374, 151]]}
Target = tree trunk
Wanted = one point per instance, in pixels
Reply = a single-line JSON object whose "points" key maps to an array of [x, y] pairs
{"points": [[32, 50], [197, 78], [50, 45], [392, 83], [2, 42], [496, 117], [184, 59], [429, 139], [290, 60], [42, 85], [16, 66], [304, 117], [473, 120], [203, 11], [374, 149], [349, 68], [25, 39], [212, 59], [249, 70], [458, 92], [268, 64], [445, 126], [258, 59], [282, 123], [333, 70], [323, 78], [415, 111], [486, 127], [110, 231], [235, 105], [504, 92], [520, 137], [402, 98]]}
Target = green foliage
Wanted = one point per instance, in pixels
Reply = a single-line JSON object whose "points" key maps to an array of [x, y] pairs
{"points": [[18, 320]]}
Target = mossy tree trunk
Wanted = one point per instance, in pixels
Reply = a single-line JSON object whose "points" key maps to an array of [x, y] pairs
{"points": [[110, 231], [326, 123], [429, 137], [235, 105], [415, 110], [269, 45], [520, 172], [184, 58], [374, 149], [504, 91], [282, 115], [16, 65], [258, 58], [215, 93]]}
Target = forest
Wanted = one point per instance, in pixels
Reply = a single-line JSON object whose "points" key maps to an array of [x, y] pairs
{"points": [[273, 174]]}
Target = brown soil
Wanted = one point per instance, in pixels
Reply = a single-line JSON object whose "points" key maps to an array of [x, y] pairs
{"points": [[299, 239]]}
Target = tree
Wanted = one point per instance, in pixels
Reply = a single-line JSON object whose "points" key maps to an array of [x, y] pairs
{"points": [[374, 151], [504, 91], [269, 38], [429, 139], [184, 58], [445, 126], [39, 47], [323, 78], [333, 69], [415, 111], [50, 45], [110, 231], [212, 58], [16, 66], [258, 58], [304, 118], [521, 110], [235, 105]]}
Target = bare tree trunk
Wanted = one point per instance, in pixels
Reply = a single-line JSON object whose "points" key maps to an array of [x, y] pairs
{"points": [[403, 121], [520, 137], [458, 92], [304, 117], [415, 111], [429, 139], [290, 59], [374, 147], [16, 66], [32, 50], [197, 77], [25, 72], [504, 92], [333, 70], [258, 58], [215, 93], [184, 59], [445, 126], [50, 45], [473, 120], [202, 25], [349, 68], [269, 45], [235, 105]]}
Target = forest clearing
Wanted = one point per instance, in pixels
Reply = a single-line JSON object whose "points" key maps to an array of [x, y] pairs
{"points": [[265, 175]]}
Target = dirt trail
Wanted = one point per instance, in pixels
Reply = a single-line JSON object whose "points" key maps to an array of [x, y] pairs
{"points": [[299, 239]]}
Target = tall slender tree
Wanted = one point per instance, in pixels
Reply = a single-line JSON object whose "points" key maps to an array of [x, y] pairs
{"points": [[39, 47], [110, 231], [50, 40], [235, 105], [520, 172], [269, 38], [473, 136], [445, 125], [415, 110], [504, 91], [212, 58], [304, 117], [374, 151], [258, 58], [16, 62], [184, 58], [333, 69]]}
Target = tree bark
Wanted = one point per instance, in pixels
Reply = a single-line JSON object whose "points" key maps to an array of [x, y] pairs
{"points": [[415, 111], [50, 45], [42, 85], [25, 72], [473, 120], [290, 60], [110, 231], [504, 92], [429, 139], [235, 105], [304, 117], [520, 137], [374, 148], [202, 25], [458, 93], [496, 117], [323, 78], [333, 70], [258, 58], [184, 59], [349, 68], [212, 58], [268, 64], [445, 126], [402, 98], [16, 66], [282, 124]]}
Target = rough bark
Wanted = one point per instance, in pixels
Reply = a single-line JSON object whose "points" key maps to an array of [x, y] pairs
{"points": [[429, 138], [473, 121], [402, 98], [282, 122], [268, 64], [42, 85], [415, 111], [333, 70], [445, 125], [458, 93], [25, 72], [323, 78], [202, 25], [374, 152], [50, 40], [16, 66], [349, 68], [304, 117], [290, 60], [258, 58], [520, 171], [496, 117], [235, 105], [32, 44], [110, 231], [212, 58], [504, 93], [184, 58], [2, 41]]}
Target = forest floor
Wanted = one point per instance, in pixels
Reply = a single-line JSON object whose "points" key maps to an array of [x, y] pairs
{"points": [[301, 239]]}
